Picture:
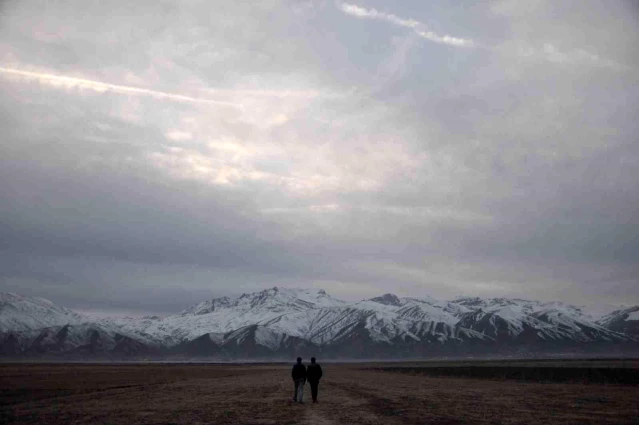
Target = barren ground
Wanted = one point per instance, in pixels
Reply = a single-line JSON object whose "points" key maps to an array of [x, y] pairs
{"points": [[260, 394]]}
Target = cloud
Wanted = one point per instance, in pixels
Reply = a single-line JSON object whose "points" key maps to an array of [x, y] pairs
{"points": [[543, 30], [550, 53], [355, 161], [69, 83], [284, 93], [178, 136], [418, 27], [446, 39], [360, 12], [546, 51]]}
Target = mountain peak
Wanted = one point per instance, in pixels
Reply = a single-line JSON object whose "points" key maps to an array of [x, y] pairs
{"points": [[387, 299], [286, 292], [273, 299]]}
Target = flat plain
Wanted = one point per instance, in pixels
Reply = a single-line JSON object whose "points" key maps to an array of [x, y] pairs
{"points": [[365, 393]]}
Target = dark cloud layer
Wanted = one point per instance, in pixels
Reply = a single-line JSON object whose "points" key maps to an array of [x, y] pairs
{"points": [[424, 149]]}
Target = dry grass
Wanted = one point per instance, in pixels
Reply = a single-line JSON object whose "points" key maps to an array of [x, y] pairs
{"points": [[260, 394]]}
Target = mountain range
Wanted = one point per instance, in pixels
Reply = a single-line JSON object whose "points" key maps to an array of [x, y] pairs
{"points": [[283, 323]]}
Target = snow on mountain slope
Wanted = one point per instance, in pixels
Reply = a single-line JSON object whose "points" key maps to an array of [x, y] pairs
{"points": [[20, 313], [514, 306], [599, 311], [273, 300], [383, 319], [79, 339], [133, 327], [414, 319], [312, 315], [625, 320], [577, 327], [626, 314], [428, 310], [316, 325], [69, 337], [223, 315], [36, 325], [281, 321], [504, 319], [316, 317]]}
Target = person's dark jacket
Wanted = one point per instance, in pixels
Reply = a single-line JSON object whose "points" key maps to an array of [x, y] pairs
{"points": [[314, 372], [299, 372]]}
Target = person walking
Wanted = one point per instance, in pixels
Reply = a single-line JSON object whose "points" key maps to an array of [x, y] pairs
{"points": [[314, 374], [299, 378]]}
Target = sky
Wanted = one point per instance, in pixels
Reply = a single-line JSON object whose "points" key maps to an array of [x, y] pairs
{"points": [[155, 154]]}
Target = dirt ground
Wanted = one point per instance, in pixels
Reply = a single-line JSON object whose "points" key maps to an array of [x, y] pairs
{"points": [[261, 394]]}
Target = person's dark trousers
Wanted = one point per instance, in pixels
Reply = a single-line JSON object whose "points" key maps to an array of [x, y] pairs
{"points": [[314, 385]]}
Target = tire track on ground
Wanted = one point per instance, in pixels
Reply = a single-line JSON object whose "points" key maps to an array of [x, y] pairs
{"points": [[346, 402], [313, 417]]}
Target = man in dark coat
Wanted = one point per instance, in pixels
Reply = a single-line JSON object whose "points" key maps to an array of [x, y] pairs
{"points": [[314, 374], [299, 378]]}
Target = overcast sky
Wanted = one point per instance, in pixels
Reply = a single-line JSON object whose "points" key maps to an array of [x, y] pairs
{"points": [[154, 154]]}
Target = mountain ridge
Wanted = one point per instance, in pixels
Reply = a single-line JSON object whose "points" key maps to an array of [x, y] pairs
{"points": [[280, 321]]}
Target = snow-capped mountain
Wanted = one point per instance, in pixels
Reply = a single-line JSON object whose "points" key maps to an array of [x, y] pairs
{"points": [[223, 315], [36, 326], [18, 313], [282, 322], [625, 320], [508, 319]]}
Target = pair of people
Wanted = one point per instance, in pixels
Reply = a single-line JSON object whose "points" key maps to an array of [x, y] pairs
{"points": [[300, 374]]}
